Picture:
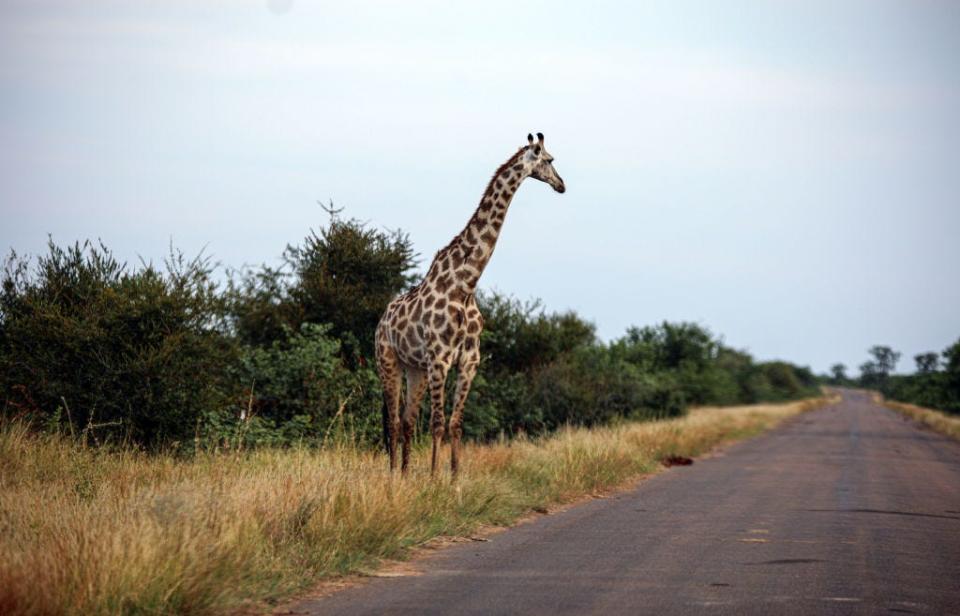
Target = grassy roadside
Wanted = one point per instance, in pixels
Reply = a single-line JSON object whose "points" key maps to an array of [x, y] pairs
{"points": [[936, 420], [93, 532]]}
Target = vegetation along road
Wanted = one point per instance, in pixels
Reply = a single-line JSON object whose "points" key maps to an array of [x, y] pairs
{"points": [[849, 509]]}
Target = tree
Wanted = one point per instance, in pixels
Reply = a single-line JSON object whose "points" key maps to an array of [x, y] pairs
{"points": [[951, 381], [343, 276], [92, 345], [839, 372], [927, 363], [869, 374], [885, 358], [876, 373]]}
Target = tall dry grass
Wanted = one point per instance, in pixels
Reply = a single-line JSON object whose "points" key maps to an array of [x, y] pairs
{"points": [[936, 420], [97, 532]]}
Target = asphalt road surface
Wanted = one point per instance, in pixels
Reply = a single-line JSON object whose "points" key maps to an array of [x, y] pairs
{"points": [[849, 509]]}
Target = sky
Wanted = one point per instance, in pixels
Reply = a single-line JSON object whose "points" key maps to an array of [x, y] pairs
{"points": [[784, 173]]}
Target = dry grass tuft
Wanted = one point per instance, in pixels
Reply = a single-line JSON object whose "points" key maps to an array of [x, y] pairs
{"points": [[98, 532], [936, 420]]}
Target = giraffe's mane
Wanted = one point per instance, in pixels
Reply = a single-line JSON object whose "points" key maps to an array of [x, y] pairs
{"points": [[510, 162], [503, 167]]}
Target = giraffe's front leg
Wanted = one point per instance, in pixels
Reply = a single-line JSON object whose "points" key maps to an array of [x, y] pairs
{"points": [[437, 377], [465, 373]]}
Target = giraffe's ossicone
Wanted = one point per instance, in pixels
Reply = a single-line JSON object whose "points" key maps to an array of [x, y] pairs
{"points": [[436, 325]]}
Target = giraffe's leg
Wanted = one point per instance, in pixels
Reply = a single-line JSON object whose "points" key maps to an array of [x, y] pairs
{"points": [[416, 384], [465, 373], [390, 376], [437, 376]]}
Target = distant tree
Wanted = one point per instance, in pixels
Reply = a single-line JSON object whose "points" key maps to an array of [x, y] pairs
{"points": [[876, 373], [951, 369], [869, 374], [927, 363], [839, 372], [951, 358], [885, 358]]}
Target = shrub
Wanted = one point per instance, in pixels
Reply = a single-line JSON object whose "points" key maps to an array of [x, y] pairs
{"points": [[87, 343], [934, 385], [520, 337], [344, 276], [283, 356], [299, 389]]}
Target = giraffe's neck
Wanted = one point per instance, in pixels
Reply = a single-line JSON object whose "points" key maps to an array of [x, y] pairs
{"points": [[458, 267]]}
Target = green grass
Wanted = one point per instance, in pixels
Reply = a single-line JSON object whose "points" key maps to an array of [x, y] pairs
{"points": [[109, 532]]}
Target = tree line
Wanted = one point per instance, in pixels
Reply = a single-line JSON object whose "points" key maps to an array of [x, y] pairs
{"points": [[935, 382], [170, 356]]}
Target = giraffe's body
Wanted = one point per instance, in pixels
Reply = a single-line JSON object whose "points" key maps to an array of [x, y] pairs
{"points": [[436, 325]]}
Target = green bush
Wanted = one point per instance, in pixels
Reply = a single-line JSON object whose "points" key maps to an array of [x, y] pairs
{"points": [[343, 276], [520, 337], [284, 354], [298, 389], [936, 384], [113, 353]]}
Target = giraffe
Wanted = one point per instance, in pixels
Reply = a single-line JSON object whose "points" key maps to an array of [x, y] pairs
{"points": [[436, 325]]}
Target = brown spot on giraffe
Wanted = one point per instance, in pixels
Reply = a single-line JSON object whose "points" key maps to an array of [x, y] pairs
{"points": [[442, 284], [447, 334]]}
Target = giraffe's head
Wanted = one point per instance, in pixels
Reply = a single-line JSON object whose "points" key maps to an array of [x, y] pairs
{"points": [[540, 163]]}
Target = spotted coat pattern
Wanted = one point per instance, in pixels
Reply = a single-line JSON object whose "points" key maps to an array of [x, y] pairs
{"points": [[436, 325]]}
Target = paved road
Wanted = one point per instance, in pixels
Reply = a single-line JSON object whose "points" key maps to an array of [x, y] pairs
{"points": [[845, 510]]}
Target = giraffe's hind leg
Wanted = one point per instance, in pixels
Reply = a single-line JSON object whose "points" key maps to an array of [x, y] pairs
{"points": [[416, 384], [465, 373], [388, 367], [437, 375]]}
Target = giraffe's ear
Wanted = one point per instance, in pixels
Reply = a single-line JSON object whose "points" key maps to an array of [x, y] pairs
{"points": [[530, 138], [540, 138]]}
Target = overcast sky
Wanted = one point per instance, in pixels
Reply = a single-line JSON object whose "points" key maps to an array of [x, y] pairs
{"points": [[784, 173]]}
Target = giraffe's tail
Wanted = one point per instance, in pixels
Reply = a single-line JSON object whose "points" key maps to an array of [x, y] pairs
{"points": [[386, 425]]}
